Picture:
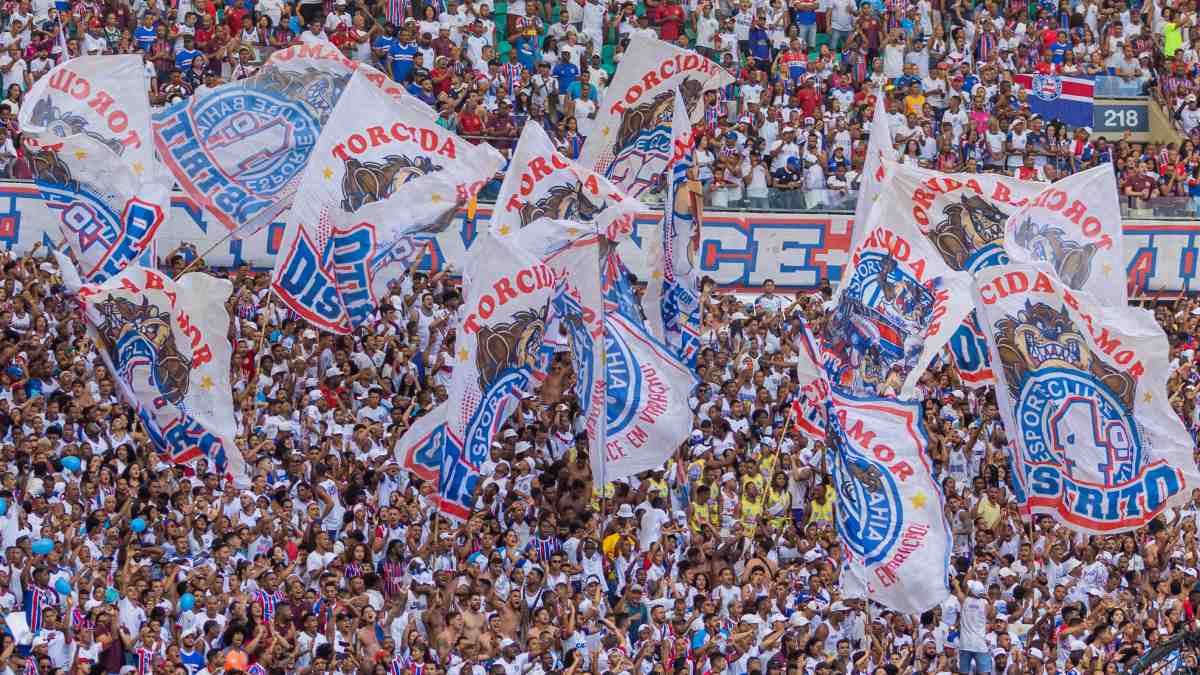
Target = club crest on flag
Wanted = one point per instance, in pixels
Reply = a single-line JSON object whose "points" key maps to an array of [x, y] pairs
{"points": [[869, 508], [883, 309], [1047, 87], [140, 336], [1053, 377]]}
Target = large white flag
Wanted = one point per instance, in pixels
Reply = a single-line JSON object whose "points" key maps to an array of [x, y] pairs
{"points": [[874, 172], [239, 150], [103, 98], [498, 337], [1075, 225], [630, 141], [167, 345], [541, 182], [672, 298], [647, 386], [898, 301], [87, 125], [380, 173], [889, 515], [812, 385], [1082, 390]]}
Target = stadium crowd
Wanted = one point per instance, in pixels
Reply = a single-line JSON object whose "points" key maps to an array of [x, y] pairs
{"points": [[723, 562], [789, 133]]}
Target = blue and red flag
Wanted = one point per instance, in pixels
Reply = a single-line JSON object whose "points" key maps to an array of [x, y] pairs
{"points": [[1056, 97]]}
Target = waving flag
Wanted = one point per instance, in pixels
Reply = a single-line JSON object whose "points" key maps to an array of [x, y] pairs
{"points": [[647, 387], [812, 387], [87, 125], [419, 450], [874, 176], [1082, 390], [502, 325], [632, 138], [1075, 225], [240, 149], [543, 183], [167, 345], [379, 174], [572, 252], [898, 301], [672, 299], [1067, 99], [969, 348], [890, 517]]}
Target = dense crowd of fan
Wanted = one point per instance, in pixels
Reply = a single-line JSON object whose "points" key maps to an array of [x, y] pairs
{"points": [[789, 133]]}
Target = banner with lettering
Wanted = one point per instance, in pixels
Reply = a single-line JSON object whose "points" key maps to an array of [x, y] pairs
{"points": [[239, 150], [631, 138], [572, 252], [166, 343], [812, 386], [86, 125], [874, 172], [962, 214], [380, 174], [503, 321], [647, 385], [897, 303], [103, 98], [1082, 391], [672, 298], [541, 182], [1075, 225], [889, 517]]}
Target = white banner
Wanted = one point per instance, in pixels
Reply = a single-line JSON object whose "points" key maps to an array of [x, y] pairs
{"points": [[239, 150], [103, 98], [812, 386], [889, 515], [1082, 390], [1075, 225], [167, 345], [672, 298], [874, 171], [541, 182], [630, 141], [898, 301], [503, 321], [379, 173]]}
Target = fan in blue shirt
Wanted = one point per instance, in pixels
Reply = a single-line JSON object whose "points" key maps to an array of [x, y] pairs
{"points": [[402, 55], [144, 36], [566, 73]]}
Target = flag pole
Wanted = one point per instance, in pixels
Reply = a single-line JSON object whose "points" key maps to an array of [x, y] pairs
{"points": [[200, 257]]}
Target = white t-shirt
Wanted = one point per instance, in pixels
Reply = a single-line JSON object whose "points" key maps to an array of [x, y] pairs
{"points": [[973, 627]]}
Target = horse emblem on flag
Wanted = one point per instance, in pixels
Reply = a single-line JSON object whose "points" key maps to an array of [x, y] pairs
{"points": [[509, 346], [561, 202], [1081, 407], [64, 123]]}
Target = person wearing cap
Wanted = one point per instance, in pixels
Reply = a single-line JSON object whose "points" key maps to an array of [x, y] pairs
{"points": [[975, 613]]}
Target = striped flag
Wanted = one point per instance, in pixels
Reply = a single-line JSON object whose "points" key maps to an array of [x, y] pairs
{"points": [[396, 9], [511, 74], [1070, 100]]}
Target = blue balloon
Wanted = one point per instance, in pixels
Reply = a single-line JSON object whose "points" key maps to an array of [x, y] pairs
{"points": [[62, 587], [187, 601], [138, 525], [71, 463], [111, 595], [42, 546], [3, 506]]}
